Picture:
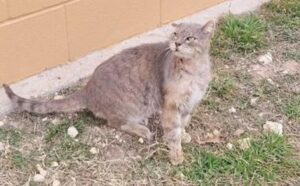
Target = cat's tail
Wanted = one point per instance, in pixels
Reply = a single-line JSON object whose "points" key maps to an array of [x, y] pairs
{"points": [[72, 103]]}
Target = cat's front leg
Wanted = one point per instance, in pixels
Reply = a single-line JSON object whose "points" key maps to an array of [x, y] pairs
{"points": [[171, 123], [185, 137]]}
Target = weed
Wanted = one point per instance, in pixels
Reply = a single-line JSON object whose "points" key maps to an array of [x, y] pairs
{"points": [[12, 136], [61, 146], [19, 160], [270, 158], [292, 108], [238, 35], [284, 13], [60, 130], [293, 54], [222, 86]]}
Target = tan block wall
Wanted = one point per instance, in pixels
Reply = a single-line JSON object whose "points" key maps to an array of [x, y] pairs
{"points": [[39, 34], [3, 10], [174, 9]]}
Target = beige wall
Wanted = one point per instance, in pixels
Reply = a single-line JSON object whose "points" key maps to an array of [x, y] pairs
{"points": [[39, 34]]}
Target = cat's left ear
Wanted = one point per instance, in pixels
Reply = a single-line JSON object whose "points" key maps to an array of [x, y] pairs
{"points": [[209, 27]]}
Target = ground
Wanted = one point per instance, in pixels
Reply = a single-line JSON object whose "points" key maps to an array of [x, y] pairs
{"points": [[256, 79]]}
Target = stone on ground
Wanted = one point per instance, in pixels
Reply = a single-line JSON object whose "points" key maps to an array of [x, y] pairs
{"points": [[273, 127]]}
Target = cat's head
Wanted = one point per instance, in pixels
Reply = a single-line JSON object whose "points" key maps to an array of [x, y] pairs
{"points": [[191, 40]]}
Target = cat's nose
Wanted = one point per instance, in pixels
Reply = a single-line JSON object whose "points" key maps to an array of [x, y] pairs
{"points": [[177, 44]]}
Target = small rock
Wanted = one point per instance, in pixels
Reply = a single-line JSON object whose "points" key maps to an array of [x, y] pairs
{"points": [[253, 101], [232, 110], [38, 178], [54, 164], [261, 114], [239, 132], [216, 132], [271, 81], [45, 119], [209, 135], [41, 170], [72, 132], [56, 121], [266, 58], [58, 97], [244, 143], [93, 150], [117, 136], [285, 72], [179, 175], [1, 123], [141, 140], [56, 183], [229, 146], [274, 127], [2, 147]]}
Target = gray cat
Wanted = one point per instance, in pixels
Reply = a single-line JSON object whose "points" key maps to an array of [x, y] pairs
{"points": [[168, 78]]}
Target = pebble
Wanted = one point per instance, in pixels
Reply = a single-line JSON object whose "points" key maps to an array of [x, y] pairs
{"points": [[265, 58], [38, 178], [253, 101], [1, 123], [232, 110], [56, 183], [72, 132], [45, 119], [41, 170], [55, 121], [273, 127], [141, 140], [93, 150], [54, 164], [58, 97], [271, 81], [229, 146], [261, 114], [216, 132], [244, 143]]}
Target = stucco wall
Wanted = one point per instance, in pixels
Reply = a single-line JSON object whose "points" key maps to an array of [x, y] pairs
{"points": [[39, 34]]}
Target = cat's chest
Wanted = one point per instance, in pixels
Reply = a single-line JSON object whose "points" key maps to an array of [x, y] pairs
{"points": [[194, 92]]}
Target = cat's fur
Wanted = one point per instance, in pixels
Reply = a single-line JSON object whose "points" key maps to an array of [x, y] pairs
{"points": [[170, 78]]}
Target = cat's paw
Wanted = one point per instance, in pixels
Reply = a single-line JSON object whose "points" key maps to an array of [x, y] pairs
{"points": [[186, 138], [176, 157]]}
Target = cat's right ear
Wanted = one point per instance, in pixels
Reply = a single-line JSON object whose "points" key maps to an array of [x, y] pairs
{"points": [[209, 27]]}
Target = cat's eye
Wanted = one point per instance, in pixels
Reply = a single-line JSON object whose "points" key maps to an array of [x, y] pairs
{"points": [[191, 38]]}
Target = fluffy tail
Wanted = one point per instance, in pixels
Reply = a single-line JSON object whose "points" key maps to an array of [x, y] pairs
{"points": [[73, 103]]}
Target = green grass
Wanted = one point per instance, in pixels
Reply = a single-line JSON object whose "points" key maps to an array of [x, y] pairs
{"points": [[293, 54], [284, 13], [241, 35], [292, 108], [283, 18], [12, 136], [222, 86], [19, 160], [61, 146], [60, 130], [269, 159]]}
